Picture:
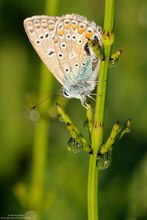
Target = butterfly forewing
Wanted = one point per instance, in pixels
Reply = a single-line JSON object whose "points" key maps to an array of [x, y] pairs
{"points": [[41, 33]]}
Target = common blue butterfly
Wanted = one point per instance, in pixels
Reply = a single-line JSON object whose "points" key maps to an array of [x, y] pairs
{"points": [[62, 44]]}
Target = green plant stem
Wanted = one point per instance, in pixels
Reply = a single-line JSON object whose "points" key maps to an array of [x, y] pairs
{"points": [[41, 132], [98, 128]]}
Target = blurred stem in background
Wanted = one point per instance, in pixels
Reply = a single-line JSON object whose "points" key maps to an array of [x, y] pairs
{"points": [[41, 133], [98, 126]]}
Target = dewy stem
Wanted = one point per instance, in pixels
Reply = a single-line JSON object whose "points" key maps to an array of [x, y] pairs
{"points": [[97, 133]]}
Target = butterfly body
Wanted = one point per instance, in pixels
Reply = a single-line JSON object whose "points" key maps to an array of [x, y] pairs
{"points": [[62, 44]]}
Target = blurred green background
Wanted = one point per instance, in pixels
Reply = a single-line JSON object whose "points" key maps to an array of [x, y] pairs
{"points": [[123, 186]]}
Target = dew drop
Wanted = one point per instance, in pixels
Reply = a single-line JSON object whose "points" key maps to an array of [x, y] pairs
{"points": [[104, 160], [32, 115], [74, 146]]}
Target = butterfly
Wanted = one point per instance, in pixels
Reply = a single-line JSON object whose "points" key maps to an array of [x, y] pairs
{"points": [[62, 44]]}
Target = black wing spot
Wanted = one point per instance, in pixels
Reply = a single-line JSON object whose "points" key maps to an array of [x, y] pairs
{"points": [[86, 48], [50, 53], [41, 37], [47, 35]]}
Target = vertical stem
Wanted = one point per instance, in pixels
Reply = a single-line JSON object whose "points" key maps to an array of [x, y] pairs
{"points": [[41, 132], [92, 189], [97, 133]]}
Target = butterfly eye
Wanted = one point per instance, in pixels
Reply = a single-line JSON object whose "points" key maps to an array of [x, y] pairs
{"points": [[65, 94]]}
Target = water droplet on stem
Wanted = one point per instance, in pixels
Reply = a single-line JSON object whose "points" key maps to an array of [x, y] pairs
{"points": [[74, 146], [104, 160]]}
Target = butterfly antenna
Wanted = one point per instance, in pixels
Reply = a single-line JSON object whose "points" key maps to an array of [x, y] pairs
{"points": [[36, 106]]}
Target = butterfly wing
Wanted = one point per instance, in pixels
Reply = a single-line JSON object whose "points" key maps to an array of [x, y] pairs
{"points": [[60, 43], [78, 62], [41, 31], [74, 32]]}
